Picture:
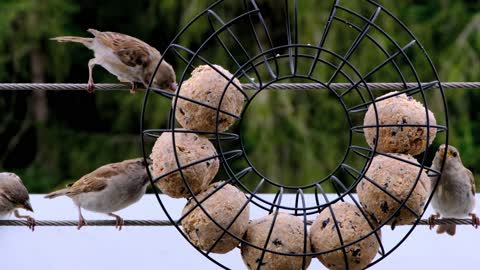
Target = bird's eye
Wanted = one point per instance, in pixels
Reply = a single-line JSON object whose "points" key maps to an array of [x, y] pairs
{"points": [[454, 154]]}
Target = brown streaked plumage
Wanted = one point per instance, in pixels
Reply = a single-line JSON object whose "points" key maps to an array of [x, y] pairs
{"points": [[455, 193], [126, 57], [14, 195], [108, 189]]}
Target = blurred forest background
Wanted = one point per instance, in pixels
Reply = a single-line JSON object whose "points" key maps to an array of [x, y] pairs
{"points": [[52, 138]]}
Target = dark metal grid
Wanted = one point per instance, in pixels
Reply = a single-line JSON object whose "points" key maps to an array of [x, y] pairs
{"points": [[266, 56]]}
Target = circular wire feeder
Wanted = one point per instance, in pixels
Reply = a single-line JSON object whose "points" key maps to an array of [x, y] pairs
{"points": [[261, 57]]}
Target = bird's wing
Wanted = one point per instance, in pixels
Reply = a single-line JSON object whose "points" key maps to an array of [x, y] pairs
{"points": [[6, 195], [472, 180], [129, 50], [94, 181]]}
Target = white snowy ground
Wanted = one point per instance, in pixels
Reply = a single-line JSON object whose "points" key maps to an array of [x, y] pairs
{"points": [[136, 248]]}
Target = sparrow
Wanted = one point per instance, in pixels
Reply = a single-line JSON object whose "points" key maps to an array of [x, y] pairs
{"points": [[14, 195], [108, 189], [126, 57], [455, 193]]}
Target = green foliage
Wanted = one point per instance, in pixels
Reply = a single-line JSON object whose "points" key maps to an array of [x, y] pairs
{"points": [[295, 137], [26, 24]]}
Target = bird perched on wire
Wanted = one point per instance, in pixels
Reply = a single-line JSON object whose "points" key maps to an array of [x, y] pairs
{"points": [[126, 57], [14, 195], [455, 193], [108, 189]]}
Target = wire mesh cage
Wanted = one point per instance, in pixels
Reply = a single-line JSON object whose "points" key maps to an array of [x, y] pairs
{"points": [[265, 51]]}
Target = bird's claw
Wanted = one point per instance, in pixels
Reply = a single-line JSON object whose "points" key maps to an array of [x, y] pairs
{"points": [[90, 86], [81, 223], [133, 89], [431, 220], [475, 220], [31, 223], [119, 223]]}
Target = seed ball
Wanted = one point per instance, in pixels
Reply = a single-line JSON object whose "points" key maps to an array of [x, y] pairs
{"points": [[398, 178], [287, 236], [223, 206], [402, 110], [207, 86], [190, 148], [352, 226]]}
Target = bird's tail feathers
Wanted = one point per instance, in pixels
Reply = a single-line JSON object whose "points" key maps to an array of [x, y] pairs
{"points": [[450, 229], [85, 41], [57, 193]]}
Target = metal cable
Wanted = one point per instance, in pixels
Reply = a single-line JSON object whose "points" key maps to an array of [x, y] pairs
{"points": [[278, 86], [56, 223]]}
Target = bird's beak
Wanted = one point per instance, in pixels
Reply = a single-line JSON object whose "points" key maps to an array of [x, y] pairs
{"points": [[173, 86], [149, 161], [27, 206]]}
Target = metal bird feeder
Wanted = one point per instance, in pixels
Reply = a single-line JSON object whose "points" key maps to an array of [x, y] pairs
{"points": [[260, 57]]}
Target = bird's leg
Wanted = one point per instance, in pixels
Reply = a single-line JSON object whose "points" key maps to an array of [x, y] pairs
{"points": [[91, 85], [431, 220], [133, 90], [475, 220], [81, 220], [30, 220], [119, 219]]}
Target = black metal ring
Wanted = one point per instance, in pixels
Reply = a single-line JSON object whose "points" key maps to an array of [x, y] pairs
{"points": [[269, 55]]}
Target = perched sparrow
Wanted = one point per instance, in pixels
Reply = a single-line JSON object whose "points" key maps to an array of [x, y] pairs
{"points": [[455, 193], [126, 57], [108, 189], [13, 195]]}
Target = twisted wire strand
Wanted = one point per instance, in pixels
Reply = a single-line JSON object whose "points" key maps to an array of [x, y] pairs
{"points": [[278, 86], [62, 223]]}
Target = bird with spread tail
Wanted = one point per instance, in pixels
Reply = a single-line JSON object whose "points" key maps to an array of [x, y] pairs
{"points": [[108, 189], [455, 193], [14, 195], [126, 57]]}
